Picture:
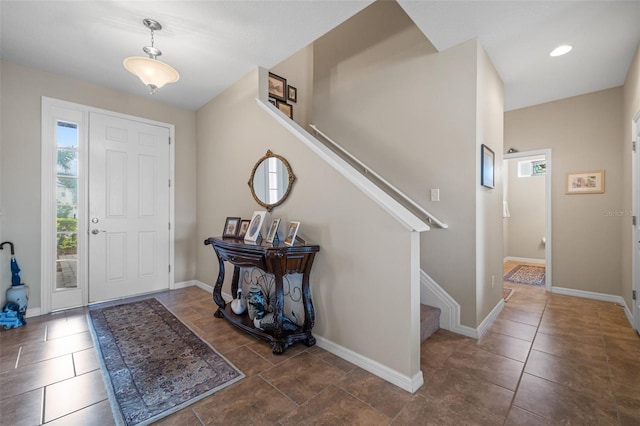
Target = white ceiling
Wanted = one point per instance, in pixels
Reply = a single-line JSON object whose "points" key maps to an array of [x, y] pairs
{"points": [[213, 43]]}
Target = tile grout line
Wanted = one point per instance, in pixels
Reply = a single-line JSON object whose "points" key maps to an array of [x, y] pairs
{"points": [[42, 405], [18, 358], [606, 354], [524, 365]]}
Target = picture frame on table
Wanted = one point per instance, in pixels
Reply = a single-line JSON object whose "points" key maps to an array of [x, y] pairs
{"points": [[591, 182], [292, 231], [257, 220], [231, 227], [273, 231], [244, 227], [277, 87], [487, 167]]}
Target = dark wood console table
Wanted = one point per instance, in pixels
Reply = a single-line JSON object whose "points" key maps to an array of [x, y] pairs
{"points": [[279, 260]]}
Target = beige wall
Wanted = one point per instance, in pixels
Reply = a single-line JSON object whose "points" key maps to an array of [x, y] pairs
{"points": [[584, 133], [527, 205], [631, 99], [22, 91], [360, 278], [489, 226], [298, 70], [384, 93]]}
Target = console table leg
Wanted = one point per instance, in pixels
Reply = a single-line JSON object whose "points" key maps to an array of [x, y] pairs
{"points": [[218, 314], [278, 347]]}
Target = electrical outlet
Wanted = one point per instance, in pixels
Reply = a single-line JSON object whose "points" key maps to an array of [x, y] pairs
{"points": [[493, 281], [435, 194]]}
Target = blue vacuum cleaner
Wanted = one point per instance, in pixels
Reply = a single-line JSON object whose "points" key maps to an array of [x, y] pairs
{"points": [[15, 310]]}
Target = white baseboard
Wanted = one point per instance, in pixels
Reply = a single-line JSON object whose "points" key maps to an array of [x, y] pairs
{"points": [[33, 312], [182, 284], [595, 296], [200, 284], [410, 384], [206, 287], [486, 323], [627, 312], [524, 260], [433, 295]]}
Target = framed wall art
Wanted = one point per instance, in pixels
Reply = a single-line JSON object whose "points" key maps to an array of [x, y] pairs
{"points": [[286, 108], [487, 166], [585, 182], [292, 94], [231, 226], [277, 87]]}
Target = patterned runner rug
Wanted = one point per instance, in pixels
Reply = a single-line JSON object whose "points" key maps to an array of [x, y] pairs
{"points": [[525, 274], [152, 364]]}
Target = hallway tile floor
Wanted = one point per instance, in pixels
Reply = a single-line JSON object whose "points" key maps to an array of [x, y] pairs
{"points": [[547, 359]]}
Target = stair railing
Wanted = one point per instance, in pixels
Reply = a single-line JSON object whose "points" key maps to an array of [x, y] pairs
{"points": [[368, 171]]}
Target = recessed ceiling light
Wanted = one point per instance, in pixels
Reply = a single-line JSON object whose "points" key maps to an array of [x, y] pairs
{"points": [[561, 50]]}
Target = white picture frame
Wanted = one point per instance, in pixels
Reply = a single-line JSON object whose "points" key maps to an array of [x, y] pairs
{"points": [[292, 231], [273, 231], [255, 226]]}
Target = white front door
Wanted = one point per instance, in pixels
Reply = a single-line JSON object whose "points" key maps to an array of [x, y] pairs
{"points": [[128, 207], [636, 228]]}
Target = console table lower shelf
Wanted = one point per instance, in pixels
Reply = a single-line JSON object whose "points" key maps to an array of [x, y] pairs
{"points": [[279, 260], [278, 344]]}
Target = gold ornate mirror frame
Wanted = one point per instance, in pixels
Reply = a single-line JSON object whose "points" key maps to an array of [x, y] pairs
{"points": [[291, 179]]}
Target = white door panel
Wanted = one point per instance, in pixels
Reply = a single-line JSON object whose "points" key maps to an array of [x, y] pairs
{"points": [[129, 199]]}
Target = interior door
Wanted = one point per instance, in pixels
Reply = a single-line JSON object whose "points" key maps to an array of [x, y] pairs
{"points": [[128, 208], [636, 228]]}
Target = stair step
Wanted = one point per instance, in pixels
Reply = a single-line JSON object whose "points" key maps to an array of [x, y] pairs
{"points": [[429, 321]]}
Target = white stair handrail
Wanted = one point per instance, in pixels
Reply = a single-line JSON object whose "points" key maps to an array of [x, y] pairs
{"points": [[368, 170]]}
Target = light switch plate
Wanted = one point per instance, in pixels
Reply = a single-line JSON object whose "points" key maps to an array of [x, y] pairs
{"points": [[435, 195]]}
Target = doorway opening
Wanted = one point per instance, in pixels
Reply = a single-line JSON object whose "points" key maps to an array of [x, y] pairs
{"points": [[527, 213]]}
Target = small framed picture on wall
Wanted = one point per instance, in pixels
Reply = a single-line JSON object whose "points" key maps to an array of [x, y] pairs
{"points": [[487, 166]]}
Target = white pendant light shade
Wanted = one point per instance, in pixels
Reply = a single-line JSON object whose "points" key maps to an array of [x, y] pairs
{"points": [[151, 72]]}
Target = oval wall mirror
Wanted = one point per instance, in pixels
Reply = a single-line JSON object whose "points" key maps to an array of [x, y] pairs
{"points": [[271, 180]]}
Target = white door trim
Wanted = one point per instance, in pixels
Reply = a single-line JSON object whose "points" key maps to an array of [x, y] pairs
{"points": [[548, 246], [47, 232], [635, 230]]}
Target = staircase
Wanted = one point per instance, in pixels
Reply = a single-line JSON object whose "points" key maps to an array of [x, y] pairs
{"points": [[429, 321]]}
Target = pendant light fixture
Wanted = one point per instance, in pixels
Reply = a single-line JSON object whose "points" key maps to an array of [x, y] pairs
{"points": [[151, 71]]}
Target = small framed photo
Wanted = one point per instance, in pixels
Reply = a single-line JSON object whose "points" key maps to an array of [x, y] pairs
{"points": [[286, 108], [273, 231], [273, 101], [292, 232], [277, 87], [487, 166], [292, 94], [253, 232], [585, 182], [231, 226], [244, 227]]}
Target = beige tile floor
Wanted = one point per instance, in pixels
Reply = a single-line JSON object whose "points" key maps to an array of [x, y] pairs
{"points": [[547, 359]]}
